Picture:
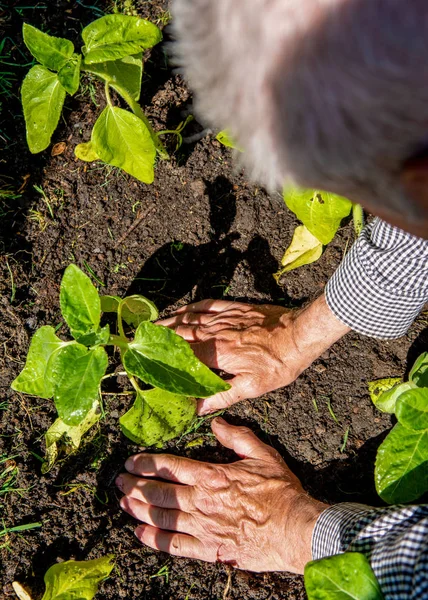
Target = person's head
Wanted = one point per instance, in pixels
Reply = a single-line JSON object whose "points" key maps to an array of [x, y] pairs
{"points": [[327, 94]]}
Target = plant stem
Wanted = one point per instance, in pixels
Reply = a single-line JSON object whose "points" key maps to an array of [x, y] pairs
{"points": [[134, 384], [118, 340], [138, 112], [358, 217], [107, 92]]}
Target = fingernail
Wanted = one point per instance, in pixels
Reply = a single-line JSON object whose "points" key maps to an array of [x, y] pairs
{"points": [[220, 421], [139, 530], [119, 482], [124, 503], [129, 464]]}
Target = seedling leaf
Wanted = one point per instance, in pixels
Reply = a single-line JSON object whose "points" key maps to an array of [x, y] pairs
{"points": [[303, 250], [385, 392], [69, 74], [110, 303], [86, 152], [114, 36], [77, 374], [401, 472], [60, 433], [346, 576], [33, 378], [157, 416], [121, 139], [125, 73], [412, 409], [225, 138], [95, 338], [52, 52], [419, 372], [321, 212], [77, 580], [42, 99], [80, 302], [136, 309], [163, 359]]}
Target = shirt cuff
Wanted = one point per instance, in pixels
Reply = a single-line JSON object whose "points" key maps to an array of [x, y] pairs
{"points": [[332, 525], [381, 285]]}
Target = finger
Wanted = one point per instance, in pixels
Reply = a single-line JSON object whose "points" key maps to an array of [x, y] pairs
{"points": [[242, 440], [166, 466], [164, 518], [208, 306], [157, 493], [177, 544], [240, 390]]}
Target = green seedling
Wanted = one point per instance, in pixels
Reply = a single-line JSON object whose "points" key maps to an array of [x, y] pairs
{"points": [[113, 52], [72, 579], [401, 472], [346, 576], [71, 372], [18, 529], [163, 572]]}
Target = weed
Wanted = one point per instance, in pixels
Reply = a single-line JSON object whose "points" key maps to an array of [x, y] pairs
{"points": [[345, 441], [163, 572], [91, 272], [330, 410]]}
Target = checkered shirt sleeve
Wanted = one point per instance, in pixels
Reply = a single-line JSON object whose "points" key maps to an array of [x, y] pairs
{"points": [[382, 284], [394, 539]]}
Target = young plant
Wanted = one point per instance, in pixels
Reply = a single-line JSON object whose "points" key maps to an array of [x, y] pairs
{"points": [[347, 576], [321, 214], [113, 52], [72, 579], [71, 372], [401, 472]]}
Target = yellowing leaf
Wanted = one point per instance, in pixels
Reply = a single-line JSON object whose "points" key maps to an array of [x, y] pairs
{"points": [[157, 416], [76, 580], [304, 249], [224, 138], [20, 591], [121, 139], [86, 152], [67, 435], [321, 212], [52, 52]]}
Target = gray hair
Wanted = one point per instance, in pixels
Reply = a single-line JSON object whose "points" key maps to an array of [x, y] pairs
{"points": [[330, 94]]}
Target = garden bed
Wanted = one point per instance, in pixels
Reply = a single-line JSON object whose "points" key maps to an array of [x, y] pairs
{"points": [[201, 230]]}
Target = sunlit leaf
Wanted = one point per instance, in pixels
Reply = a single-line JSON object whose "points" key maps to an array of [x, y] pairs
{"points": [[95, 338], [320, 212], [76, 373], [76, 580], [42, 100], [69, 74], [80, 302], [412, 409], [401, 472], [347, 576], [52, 52], [114, 36], [419, 372], [124, 73], [224, 138], [303, 250], [163, 359], [157, 416], [121, 139], [136, 309], [110, 303], [33, 378]]}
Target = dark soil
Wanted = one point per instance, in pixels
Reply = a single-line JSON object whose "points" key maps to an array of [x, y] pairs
{"points": [[210, 233]]}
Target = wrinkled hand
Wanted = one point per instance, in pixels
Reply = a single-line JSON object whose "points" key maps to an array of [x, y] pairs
{"points": [[252, 514], [265, 347]]}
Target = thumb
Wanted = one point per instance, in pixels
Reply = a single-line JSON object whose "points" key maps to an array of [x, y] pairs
{"points": [[240, 439], [238, 391]]}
